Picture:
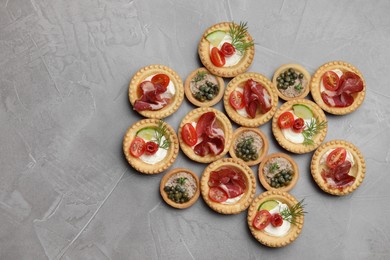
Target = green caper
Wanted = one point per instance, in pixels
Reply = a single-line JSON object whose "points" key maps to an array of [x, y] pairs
{"points": [[291, 70], [300, 76]]}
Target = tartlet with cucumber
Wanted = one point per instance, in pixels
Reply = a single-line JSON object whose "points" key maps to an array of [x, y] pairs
{"points": [[150, 146], [299, 126], [227, 49]]}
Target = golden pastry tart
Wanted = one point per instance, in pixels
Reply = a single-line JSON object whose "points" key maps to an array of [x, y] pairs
{"points": [[205, 134], [299, 126], [278, 171], [156, 91], [226, 61], [150, 146], [262, 217], [249, 145], [180, 188], [261, 105], [228, 186], [338, 87], [291, 81], [204, 89], [338, 167]]}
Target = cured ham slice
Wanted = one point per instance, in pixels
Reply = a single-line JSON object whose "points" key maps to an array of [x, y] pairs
{"points": [[339, 177], [212, 136], [256, 97], [342, 100], [154, 97], [228, 179]]}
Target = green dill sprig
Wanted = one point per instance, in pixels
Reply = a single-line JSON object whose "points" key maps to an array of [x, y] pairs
{"points": [[181, 180], [273, 167], [200, 75], [311, 130], [291, 214], [299, 86], [161, 131], [238, 34]]}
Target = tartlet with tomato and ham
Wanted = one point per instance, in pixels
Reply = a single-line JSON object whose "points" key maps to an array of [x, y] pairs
{"points": [[338, 87], [228, 186], [226, 49], [150, 146], [299, 126], [156, 91], [205, 135], [250, 99], [275, 218], [338, 167]]}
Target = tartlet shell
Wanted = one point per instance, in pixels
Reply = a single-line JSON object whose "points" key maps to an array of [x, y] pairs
{"points": [[240, 80], [228, 72], [293, 147], [359, 167], [147, 71], [190, 96], [171, 202], [141, 166], [194, 116], [246, 199], [298, 68], [260, 235], [263, 180], [263, 151], [316, 83]]}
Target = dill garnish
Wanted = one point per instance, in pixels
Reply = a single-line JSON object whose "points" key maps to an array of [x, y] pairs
{"points": [[238, 34], [291, 214], [181, 180], [161, 131], [311, 130], [200, 75], [273, 167]]}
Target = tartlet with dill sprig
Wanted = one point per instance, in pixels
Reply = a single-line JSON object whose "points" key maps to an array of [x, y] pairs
{"points": [[235, 58]]}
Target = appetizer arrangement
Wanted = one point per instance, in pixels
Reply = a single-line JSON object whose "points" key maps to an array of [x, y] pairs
{"points": [[156, 91], [338, 167], [250, 99], [276, 218], [292, 81], [278, 171], [338, 88], [226, 49], [299, 126], [228, 186], [203, 89]]}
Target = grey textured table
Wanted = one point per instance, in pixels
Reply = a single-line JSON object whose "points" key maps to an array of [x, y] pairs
{"points": [[66, 191]]}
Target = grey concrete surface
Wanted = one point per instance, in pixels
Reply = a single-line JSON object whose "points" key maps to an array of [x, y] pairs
{"points": [[66, 191]]}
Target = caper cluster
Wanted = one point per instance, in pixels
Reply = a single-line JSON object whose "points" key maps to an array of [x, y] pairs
{"points": [[246, 151], [177, 193], [287, 78], [207, 91], [283, 178]]}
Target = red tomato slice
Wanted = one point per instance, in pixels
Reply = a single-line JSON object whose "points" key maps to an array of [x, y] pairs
{"points": [[262, 219], [236, 100], [161, 79], [299, 125], [286, 120], [151, 148], [330, 80], [217, 194], [137, 147], [217, 57], [227, 49], [276, 220], [336, 157], [188, 133]]}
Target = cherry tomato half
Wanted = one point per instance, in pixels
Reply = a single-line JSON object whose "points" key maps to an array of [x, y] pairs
{"points": [[299, 125], [276, 220], [336, 157], [236, 100], [188, 133], [330, 80], [227, 49], [262, 219], [217, 57], [286, 120], [137, 147], [217, 194], [151, 148], [161, 79]]}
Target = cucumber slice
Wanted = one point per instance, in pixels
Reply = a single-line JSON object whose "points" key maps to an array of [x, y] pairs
{"points": [[216, 37], [268, 205], [302, 111], [147, 133]]}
